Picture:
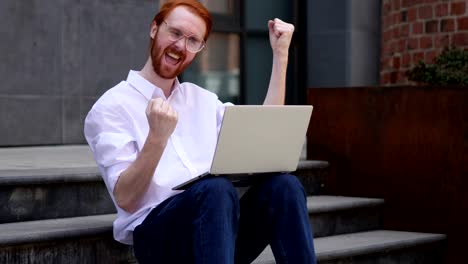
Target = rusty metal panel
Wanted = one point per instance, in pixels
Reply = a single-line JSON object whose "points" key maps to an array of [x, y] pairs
{"points": [[408, 145]]}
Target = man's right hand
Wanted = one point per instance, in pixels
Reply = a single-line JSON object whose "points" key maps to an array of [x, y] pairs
{"points": [[162, 119]]}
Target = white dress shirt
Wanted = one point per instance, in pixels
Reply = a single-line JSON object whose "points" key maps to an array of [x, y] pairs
{"points": [[116, 129]]}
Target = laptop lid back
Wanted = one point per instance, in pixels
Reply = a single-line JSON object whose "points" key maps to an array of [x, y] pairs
{"points": [[257, 139]]}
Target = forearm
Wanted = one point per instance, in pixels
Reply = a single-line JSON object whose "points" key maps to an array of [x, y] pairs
{"points": [[135, 180], [277, 86]]}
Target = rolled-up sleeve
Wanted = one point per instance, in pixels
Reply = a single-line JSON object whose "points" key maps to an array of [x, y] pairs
{"points": [[113, 146], [221, 107]]}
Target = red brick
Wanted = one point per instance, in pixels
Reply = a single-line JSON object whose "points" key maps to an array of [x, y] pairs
{"points": [[412, 14], [405, 60], [401, 77], [425, 12], [458, 8], [386, 49], [385, 64], [396, 62], [441, 41], [432, 26], [460, 39], [402, 45], [447, 25], [418, 56], [386, 9], [393, 47], [413, 44], [396, 4], [462, 23], [396, 32], [386, 22], [417, 28], [406, 3], [396, 18], [442, 10], [404, 30], [385, 78], [393, 77], [430, 56], [425, 42], [387, 35]]}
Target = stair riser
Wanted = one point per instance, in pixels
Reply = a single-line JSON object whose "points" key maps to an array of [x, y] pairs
{"points": [[54, 200], [346, 221], [57, 200], [81, 250], [313, 180]]}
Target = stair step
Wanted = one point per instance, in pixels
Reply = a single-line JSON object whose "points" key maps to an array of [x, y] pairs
{"points": [[55, 229], [34, 231], [333, 215], [63, 181], [54, 235], [379, 246], [74, 240], [86, 232]]}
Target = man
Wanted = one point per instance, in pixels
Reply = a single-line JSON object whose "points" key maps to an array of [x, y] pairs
{"points": [[150, 133]]}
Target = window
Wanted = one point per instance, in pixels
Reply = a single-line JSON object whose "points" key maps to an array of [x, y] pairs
{"points": [[216, 68], [236, 63]]}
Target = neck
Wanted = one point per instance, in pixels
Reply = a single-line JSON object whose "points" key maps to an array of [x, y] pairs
{"points": [[148, 73]]}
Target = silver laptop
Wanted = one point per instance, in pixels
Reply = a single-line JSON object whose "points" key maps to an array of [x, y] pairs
{"points": [[257, 140]]}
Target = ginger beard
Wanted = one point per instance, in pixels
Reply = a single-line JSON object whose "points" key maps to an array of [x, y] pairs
{"points": [[169, 62]]}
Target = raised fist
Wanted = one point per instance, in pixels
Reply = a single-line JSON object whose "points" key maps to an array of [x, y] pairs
{"points": [[162, 119], [280, 36]]}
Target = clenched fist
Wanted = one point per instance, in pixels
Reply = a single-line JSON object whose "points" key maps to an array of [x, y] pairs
{"points": [[280, 36], [162, 119]]}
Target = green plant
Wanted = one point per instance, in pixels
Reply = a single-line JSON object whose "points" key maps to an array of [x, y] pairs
{"points": [[450, 68]]}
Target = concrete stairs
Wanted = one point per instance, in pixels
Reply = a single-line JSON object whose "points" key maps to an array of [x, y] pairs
{"points": [[54, 208]]}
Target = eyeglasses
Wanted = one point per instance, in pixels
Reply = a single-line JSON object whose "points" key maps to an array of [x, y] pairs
{"points": [[192, 43]]}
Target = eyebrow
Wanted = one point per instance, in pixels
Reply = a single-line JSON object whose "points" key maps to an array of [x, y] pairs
{"points": [[190, 33]]}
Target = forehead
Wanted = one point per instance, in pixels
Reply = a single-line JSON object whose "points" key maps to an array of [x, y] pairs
{"points": [[183, 18]]}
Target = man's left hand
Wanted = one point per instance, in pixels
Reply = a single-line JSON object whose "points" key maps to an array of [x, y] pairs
{"points": [[280, 36]]}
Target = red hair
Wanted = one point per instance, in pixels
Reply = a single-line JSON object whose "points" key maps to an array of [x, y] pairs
{"points": [[193, 5]]}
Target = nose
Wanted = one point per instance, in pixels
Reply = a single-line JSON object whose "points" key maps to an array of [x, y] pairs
{"points": [[180, 43]]}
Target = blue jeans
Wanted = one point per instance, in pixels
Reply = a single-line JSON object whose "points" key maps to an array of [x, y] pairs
{"points": [[202, 224]]}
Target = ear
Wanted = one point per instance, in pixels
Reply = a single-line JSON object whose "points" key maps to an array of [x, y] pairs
{"points": [[153, 30]]}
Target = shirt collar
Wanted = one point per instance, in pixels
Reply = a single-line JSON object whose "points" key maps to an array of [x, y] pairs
{"points": [[146, 88]]}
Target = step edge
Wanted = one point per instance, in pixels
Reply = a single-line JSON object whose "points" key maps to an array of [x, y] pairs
{"points": [[324, 256], [46, 176], [312, 164], [350, 204], [87, 174], [99, 224], [429, 238]]}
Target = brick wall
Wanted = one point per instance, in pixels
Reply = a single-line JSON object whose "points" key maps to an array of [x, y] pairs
{"points": [[414, 30]]}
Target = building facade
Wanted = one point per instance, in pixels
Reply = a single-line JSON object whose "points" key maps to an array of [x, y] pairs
{"points": [[58, 57]]}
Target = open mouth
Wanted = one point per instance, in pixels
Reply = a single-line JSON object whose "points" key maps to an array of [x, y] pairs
{"points": [[172, 58]]}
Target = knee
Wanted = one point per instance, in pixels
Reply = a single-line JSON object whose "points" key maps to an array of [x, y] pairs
{"points": [[216, 189], [286, 185]]}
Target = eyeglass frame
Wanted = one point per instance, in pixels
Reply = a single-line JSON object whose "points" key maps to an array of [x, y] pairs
{"points": [[170, 35]]}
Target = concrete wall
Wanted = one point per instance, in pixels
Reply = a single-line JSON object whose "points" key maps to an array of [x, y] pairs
{"points": [[343, 43], [58, 56]]}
